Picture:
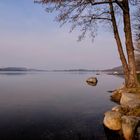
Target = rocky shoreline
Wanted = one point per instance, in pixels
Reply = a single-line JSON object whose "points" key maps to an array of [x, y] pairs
{"points": [[125, 117]]}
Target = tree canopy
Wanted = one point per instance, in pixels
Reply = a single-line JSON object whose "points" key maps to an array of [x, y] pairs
{"points": [[88, 14]]}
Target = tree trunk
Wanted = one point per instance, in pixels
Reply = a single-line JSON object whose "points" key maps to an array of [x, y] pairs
{"points": [[132, 81], [119, 45]]}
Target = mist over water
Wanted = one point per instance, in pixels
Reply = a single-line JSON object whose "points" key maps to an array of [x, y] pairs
{"points": [[54, 105]]}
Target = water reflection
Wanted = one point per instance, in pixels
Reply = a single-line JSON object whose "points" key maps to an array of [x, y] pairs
{"points": [[54, 106], [13, 73], [91, 84], [112, 135]]}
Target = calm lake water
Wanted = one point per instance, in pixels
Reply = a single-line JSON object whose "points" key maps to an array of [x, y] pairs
{"points": [[54, 105]]}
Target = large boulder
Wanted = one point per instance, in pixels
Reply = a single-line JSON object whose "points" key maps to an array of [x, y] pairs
{"points": [[133, 104], [92, 81], [112, 120], [130, 99], [129, 124], [126, 116]]}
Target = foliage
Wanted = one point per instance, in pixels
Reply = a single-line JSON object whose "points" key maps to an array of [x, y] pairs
{"points": [[84, 14]]}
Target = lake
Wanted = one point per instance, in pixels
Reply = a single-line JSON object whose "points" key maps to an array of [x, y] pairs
{"points": [[54, 105]]}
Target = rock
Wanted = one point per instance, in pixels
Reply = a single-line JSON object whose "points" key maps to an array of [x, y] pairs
{"points": [[129, 124], [133, 104], [110, 91], [130, 99], [97, 73], [116, 96], [92, 81], [126, 110], [117, 108], [134, 112], [112, 120], [126, 116]]}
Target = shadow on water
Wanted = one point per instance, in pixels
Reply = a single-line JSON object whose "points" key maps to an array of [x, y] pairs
{"points": [[112, 135]]}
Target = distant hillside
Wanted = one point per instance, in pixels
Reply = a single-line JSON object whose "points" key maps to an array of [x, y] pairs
{"points": [[118, 69], [14, 69]]}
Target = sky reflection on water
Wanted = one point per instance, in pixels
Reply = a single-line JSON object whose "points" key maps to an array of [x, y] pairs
{"points": [[54, 106]]}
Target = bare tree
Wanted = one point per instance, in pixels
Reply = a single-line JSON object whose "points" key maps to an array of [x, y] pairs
{"points": [[88, 14]]}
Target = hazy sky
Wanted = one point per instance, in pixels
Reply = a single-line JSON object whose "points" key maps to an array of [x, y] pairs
{"points": [[29, 37]]}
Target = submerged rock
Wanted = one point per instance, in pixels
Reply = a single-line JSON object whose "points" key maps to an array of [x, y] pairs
{"points": [[112, 120], [92, 81]]}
